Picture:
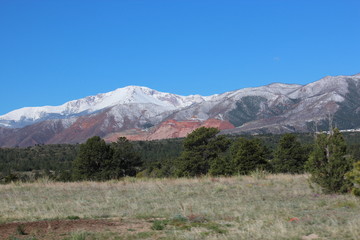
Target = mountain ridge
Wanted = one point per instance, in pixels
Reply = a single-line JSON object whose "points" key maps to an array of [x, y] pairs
{"points": [[273, 108], [91, 104]]}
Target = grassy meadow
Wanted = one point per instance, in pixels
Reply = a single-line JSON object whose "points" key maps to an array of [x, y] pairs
{"points": [[242, 207]]}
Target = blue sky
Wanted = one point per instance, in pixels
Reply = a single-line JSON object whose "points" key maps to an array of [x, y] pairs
{"points": [[53, 51]]}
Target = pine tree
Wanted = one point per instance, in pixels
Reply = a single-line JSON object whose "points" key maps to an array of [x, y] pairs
{"points": [[98, 161], [328, 163], [201, 147], [248, 155], [91, 159], [289, 156], [125, 161], [221, 166]]}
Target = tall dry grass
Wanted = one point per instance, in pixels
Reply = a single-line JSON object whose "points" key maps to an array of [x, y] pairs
{"points": [[276, 207]]}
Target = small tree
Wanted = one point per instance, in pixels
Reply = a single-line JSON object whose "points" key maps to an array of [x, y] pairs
{"points": [[248, 155], [201, 147], [328, 163], [354, 177], [289, 156], [91, 159]]}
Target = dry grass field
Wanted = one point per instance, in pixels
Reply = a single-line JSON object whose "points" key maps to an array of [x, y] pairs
{"points": [[244, 207]]}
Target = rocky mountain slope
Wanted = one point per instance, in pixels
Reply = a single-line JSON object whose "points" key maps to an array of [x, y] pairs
{"points": [[124, 99], [140, 113]]}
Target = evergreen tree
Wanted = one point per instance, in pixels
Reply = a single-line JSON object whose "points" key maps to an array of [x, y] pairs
{"points": [[201, 147], [248, 155], [125, 161], [221, 166], [354, 177], [328, 163], [289, 156], [91, 159]]}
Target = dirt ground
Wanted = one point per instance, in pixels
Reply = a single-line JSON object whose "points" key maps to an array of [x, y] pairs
{"points": [[59, 229]]}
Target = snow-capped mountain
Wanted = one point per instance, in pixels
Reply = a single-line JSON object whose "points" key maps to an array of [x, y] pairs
{"points": [[143, 113], [122, 96]]}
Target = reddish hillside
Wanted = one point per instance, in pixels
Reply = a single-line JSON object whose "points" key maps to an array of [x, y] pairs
{"points": [[84, 128], [170, 129]]}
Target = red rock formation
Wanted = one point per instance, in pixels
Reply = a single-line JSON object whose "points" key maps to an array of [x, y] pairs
{"points": [[169, 129], [219, 124]]}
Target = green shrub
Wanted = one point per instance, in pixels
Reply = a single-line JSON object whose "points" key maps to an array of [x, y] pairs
{"points": [[328, 163], [179, 218], [159, 225], [11, 178], [354, 177]]}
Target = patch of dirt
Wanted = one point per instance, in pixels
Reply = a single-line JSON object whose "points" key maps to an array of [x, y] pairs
{"points": [[59, 229]]}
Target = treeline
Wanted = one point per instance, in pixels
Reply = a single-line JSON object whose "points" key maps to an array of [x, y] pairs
{"points": [[327, 161], [203, 152], [55, 157], [56, 161]]}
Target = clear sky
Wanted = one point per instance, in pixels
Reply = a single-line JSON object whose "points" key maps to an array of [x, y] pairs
{"points": [[53, 51]]}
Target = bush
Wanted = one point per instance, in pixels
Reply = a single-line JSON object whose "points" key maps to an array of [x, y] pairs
{"points": [[159, 225], [328, 163], [11, 178], [354, 177]]}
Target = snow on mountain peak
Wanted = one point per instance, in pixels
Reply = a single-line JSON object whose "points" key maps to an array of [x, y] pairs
{"points": [[335, 84], [153, 103], [126, 95]]}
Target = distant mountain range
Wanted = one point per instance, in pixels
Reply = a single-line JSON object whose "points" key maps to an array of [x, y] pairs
{"points": [[141, 113]]}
